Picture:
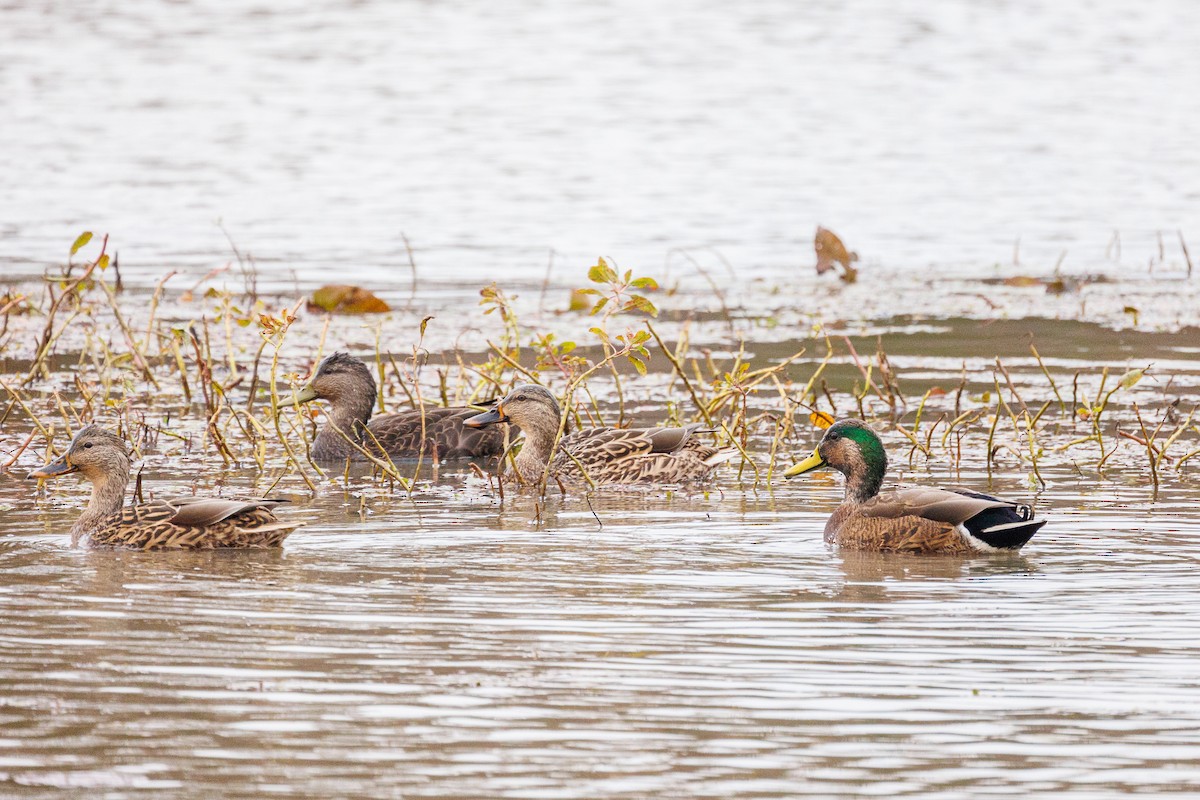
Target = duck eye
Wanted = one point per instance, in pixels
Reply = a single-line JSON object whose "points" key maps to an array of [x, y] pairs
{"points": [[86, 446], [521, 397], [833, 437]]}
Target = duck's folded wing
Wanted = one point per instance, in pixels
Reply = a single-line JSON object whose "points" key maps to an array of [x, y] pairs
{"points": [[197, 512], [615, 444], [938, 505], [443, 429], [672, 440], [595, 445], [444, 426]]}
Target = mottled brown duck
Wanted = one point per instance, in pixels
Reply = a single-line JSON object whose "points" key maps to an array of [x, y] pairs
{"points": [[347, 385], [606, 456], [911, 519], [191, 523]]}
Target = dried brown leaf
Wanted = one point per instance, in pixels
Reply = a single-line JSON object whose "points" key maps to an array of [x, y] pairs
{"points": [[346, 299]]}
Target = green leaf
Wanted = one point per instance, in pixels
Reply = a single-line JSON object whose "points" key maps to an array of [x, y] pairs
{"points": [[601, 333], [639, 303], [103, 262], [424, 323], [602, 273], [638, 365], [80, 241], [600, 304], [566, 347], [644, 283], [1130, 379]]}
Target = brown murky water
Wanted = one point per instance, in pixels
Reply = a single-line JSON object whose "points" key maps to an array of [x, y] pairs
{"points": [[665, 644], [681, 645], [691, 648]]}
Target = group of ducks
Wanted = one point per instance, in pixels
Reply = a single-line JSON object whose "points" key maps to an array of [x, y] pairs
{"points": [[901, 519]]}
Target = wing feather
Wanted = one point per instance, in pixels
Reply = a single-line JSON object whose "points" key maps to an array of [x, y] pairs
{"points": [[939, 505], [198, 512]]}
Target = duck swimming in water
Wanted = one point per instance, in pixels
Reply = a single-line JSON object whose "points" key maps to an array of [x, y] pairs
{"points": [[191, 523], [599, 456], [348, 386], [911, 519]]}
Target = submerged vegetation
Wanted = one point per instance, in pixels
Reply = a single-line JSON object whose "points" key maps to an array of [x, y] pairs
{"points": [[212, 370]]}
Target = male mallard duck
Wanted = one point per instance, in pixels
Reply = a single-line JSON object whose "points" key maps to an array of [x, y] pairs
{"points": [[912, 519], [192, 523], [604, 455], [347, 384]]}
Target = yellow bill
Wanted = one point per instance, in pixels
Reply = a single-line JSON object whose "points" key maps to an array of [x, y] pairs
{"points": [[807, 465]]}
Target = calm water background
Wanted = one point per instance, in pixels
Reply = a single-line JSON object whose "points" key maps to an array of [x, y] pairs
{"points": [[925, 134], [695, 646]]}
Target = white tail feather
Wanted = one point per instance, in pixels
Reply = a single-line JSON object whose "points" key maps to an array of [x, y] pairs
{"points": [[277, 526], [720, 457], [1006, 526]]}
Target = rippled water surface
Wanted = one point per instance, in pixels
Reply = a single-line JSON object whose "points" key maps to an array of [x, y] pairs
{"points": [[692, 647], [669, 644]]}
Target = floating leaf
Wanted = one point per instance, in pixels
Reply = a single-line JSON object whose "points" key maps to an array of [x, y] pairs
{"points": [[1023, 281], [830, 251], [80, 241], [821, 419], [345, 299]]}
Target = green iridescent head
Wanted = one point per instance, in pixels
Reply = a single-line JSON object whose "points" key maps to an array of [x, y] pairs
{"points": [[854, 450]]}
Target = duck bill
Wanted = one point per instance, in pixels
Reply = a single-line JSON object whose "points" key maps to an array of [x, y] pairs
{"points": [[306, 394], [490, 417], [60, 466], [807, 465]]}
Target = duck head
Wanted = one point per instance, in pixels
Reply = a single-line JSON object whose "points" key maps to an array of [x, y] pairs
{"points": [[530, 407], [339, 378], [94, 452], [854, 450]]}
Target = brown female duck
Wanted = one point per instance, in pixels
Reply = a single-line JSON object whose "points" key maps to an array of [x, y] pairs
{"points": [[192, 523], [346, 383], [599, 456], [913, 519]]}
